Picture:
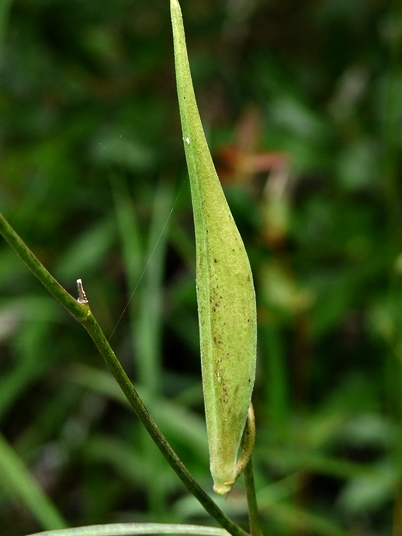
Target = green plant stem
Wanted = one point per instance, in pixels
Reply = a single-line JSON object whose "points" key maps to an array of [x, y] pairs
{"points": [[77, 309], [83, 314], [254, 519]]}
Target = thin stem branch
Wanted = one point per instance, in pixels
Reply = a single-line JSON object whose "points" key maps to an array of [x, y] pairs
{"points": [[254, 519], [78, 310], [248, 442], [82, 313]]}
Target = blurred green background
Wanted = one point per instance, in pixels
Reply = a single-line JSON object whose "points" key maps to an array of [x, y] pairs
{"points": [[302, 106]]}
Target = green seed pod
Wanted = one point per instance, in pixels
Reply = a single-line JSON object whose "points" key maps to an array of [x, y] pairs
{"points": [[225, 290]]}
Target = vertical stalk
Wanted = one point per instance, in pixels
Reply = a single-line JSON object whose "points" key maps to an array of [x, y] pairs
{"points": [[254, 519]]}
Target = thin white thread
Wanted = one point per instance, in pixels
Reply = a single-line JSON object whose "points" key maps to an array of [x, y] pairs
{"points": [[148, 261]]}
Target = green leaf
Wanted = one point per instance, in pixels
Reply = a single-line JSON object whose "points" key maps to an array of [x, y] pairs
{"points": [[129, 529], [15, 477]]}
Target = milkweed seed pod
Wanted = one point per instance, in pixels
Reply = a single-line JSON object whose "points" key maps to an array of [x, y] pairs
{"points": [[225, 290]]}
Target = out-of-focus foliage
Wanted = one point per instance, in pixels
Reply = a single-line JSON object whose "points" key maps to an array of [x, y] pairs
{"points": [[302, 104]]}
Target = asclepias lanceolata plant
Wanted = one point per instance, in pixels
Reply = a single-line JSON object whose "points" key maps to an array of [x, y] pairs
{"points": [[227, 323]]}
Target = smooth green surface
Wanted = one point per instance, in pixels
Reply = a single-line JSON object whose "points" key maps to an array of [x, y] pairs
{"points": [[125, 529]]}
